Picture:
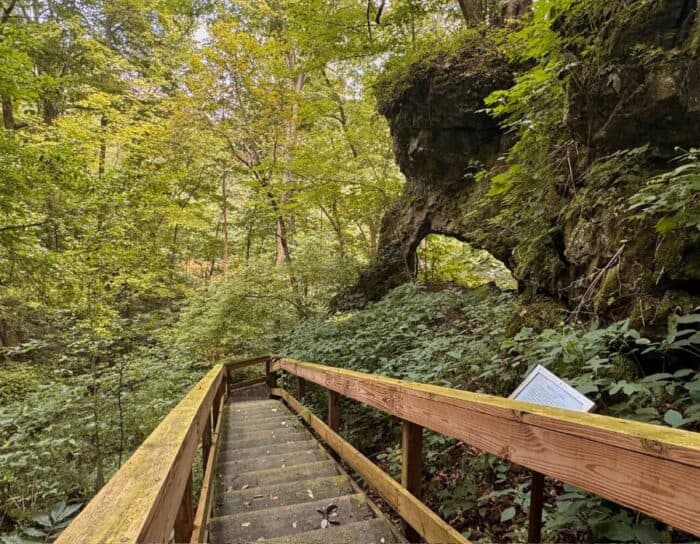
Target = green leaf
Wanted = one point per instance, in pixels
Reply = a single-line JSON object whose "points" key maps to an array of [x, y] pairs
{"points": [[36, 533], [674, 418], [43, 520], [508, 514], [615, 530], [648, 534], [57, 510], [688, 319]]}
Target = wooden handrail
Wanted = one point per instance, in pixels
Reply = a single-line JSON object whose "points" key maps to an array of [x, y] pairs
{"points": [[150, 496], [199, 532], [243, 363], [650, 468], [428, 524], [141, 501]]}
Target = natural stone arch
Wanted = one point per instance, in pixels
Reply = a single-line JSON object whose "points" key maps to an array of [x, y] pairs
{"points": [[447, 259]]}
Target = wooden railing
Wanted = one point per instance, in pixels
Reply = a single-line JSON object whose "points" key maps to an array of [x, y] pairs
{"points": [[150, 498], [650, 468]]}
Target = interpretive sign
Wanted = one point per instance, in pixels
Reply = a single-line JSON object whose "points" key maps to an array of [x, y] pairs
{"points": [[543, 387]]}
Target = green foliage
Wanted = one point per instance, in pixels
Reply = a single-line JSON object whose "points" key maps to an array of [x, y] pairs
{"points": [[73, 430], [446, 260], [46, 526], [431, 49], [673, 196]]}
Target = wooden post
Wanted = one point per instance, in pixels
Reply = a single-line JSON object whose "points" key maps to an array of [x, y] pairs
{"points": [[184, 522], [301, 387], [271, 377], [215, 407], [206, 444], [333, 410], [412, 467], [227, 381], [534, 530]]}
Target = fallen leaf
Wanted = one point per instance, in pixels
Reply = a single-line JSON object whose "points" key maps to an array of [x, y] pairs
{"points": [[245, 524], [294, 524], [274, 498], [310, 494], [246, 486]]}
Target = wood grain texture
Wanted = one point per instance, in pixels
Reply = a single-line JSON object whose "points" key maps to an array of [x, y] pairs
{"points": [[201, 518], [426, 522], [412, 465], [333, 410], [651, 468], [184, 520], [206, 443], [141, 501]]}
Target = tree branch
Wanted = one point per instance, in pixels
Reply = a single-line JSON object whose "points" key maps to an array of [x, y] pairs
{"points": [[7, 11], [25, 226]]}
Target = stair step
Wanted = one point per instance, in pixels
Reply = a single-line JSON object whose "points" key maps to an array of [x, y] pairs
{"points": [[261, 498], [251, 433], [267, 440], [239, 423], [260, 478], [257, 407], [257, 451], [372, 531], [253, 406], [236, 421], [285, 520], [266, 462], [276, 421]]}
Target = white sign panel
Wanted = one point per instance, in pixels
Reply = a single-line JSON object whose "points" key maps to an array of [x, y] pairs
{"points": [[543, 387]]}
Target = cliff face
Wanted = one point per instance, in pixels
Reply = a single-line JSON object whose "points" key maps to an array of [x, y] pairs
{"points": [[568, 234], [441, 138]]}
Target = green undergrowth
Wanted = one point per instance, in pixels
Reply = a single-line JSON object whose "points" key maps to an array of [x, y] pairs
{"points": [[486, 340], [73, 407]]}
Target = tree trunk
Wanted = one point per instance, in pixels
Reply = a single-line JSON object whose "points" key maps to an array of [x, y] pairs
{"points": [[8, 116], [471, 11], [103, 147], [51, 111], [99, 461], [283, 254], [224, 220], [515, 8]]}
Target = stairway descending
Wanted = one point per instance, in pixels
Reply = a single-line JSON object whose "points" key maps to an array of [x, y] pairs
{"points": [[275, 483]]}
